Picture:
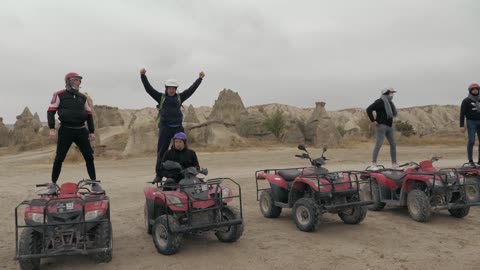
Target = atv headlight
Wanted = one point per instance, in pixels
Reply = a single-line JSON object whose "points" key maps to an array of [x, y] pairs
{"points": [[35, 217], [225, 192], [92, 214], [175, 201]]}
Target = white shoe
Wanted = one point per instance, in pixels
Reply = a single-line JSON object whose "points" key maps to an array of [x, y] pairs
{"points": [[394, 165], [374, 167]]}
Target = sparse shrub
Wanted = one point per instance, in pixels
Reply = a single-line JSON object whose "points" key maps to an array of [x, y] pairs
{"points": [[405, 128], [276, 123]]}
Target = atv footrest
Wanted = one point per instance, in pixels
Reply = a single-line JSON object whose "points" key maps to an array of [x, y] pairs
{"points": [[208, 226], [454, 206], [73, 252], [347, 205]]}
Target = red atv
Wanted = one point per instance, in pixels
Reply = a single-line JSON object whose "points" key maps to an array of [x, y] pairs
{"points": [[72, 221], [311, 191], [422, 188], [193, 205]]}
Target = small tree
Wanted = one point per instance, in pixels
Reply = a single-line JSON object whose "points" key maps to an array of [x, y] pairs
{"points": [[405, 128], [276, 123]]}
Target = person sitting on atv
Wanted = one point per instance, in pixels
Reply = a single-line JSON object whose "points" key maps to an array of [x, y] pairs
{"points": [[182, 154]]}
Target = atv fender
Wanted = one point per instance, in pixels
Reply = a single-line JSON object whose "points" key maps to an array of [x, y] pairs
{"points": [[273, 179], [300, 183]]}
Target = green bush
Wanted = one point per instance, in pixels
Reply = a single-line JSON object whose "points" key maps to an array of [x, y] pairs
{"points": [[276, 123], [405, 128]]}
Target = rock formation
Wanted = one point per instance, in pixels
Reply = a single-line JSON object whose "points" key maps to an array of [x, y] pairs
{"points": [[320, 129], [228, 108], [143, 133], [4, 134], [25, 133]]}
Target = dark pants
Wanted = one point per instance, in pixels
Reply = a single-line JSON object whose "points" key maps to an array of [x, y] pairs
{"points": [[473, 126], [67, 136], [165, 135]]}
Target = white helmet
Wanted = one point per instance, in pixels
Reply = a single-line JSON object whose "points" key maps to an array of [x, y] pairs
{"points": [[171, 82]]}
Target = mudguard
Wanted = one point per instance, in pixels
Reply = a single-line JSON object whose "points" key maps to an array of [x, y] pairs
{"points": [[273, 179]]}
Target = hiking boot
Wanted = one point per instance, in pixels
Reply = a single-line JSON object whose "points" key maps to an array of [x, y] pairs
{"points": [[96, 188]]}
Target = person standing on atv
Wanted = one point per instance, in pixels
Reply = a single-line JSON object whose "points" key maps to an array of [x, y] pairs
{"points": [[73, 111], [385, 112], [181, 153], [170, 116], [470, 109]]}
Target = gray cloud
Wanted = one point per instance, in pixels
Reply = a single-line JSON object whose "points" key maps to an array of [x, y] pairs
{"points": [[342, 52]]}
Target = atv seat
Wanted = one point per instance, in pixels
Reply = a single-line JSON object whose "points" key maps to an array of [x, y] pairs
{"points": [[289, 175], [396, 176]]}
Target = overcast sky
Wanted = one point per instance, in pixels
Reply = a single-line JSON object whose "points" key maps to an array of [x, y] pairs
{"points": [[291, 52]]}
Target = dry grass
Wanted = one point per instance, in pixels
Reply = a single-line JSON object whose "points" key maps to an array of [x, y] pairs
{"points": [[351, 142], [405, 141], [431, 140]]}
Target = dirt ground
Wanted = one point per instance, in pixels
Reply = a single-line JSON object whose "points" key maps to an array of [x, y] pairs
{"points": [[385, 240]]}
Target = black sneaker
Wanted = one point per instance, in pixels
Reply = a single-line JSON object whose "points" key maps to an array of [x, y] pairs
{"points": [[471, 164], [157, 179]]}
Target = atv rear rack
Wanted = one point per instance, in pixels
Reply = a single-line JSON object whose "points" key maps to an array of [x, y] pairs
{"points": [[44, 227]]}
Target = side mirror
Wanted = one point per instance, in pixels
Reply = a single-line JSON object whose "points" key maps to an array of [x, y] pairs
{"points": [[324, 148], [302, 147]]}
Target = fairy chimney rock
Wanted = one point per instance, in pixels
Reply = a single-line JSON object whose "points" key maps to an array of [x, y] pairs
{"points": [[320, 129], [25, 114], [228, 108], [191, 115]]}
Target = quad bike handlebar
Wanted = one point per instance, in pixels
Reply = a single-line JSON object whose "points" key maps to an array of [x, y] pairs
{"points": [[314, 162]]}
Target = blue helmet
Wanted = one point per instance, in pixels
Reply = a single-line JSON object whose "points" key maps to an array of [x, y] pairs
{"points": [[180, 136]]}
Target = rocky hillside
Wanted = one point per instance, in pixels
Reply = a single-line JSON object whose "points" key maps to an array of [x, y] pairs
{"points": [[229, 123]]}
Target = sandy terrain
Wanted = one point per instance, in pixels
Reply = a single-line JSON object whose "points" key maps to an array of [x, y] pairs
{"points": [[385, 240]]}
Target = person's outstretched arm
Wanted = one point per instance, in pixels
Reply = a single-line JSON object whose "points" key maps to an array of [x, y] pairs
{"points": [[148, 87], [189, 91]]}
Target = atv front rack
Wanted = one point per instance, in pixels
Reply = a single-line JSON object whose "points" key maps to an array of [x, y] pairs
{"points": [[44, 228], [219, 205]]}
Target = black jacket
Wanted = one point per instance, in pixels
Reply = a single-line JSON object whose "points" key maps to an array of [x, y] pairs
{"points": [[468, 110], [186, 157], [73, 110], [379, 107], [170, 114]]}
